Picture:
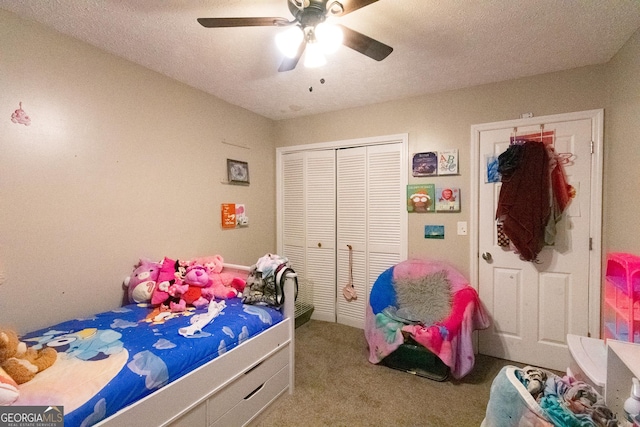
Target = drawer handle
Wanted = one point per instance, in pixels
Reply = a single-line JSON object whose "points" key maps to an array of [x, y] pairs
{"points": [[254, 367], [248, 396]]}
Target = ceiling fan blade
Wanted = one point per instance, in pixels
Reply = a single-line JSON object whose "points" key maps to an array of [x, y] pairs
{"points": [[289, 64], [365, 44], [241, 22], [351, 5]]}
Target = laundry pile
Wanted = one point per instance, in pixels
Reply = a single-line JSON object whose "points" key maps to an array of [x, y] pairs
{"points": [[535, 397], [533, 197]]}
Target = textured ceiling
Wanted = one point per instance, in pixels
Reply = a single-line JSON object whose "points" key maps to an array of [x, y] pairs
{"points": [[438, 45]]}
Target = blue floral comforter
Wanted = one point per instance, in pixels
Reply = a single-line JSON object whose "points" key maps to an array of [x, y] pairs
{"points": [[113, 359]]}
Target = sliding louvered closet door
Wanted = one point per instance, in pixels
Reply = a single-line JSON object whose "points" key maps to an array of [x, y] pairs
{"points": [[369, 214], [332, 198], [309, 218]]}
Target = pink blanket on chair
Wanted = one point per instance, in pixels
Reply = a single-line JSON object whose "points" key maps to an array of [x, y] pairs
{"points": [[450, 339]]}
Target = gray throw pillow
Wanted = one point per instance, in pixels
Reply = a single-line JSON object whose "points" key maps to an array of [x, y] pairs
{"points": [[427, 298]]}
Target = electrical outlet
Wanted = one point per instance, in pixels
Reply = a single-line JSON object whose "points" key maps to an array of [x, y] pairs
{"points": [[462, 228]]}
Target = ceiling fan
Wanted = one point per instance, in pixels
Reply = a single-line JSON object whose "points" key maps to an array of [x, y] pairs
{"points": [[308, 29]]}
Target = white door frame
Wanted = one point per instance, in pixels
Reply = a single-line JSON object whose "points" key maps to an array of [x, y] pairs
{"points": [[595, 227]]}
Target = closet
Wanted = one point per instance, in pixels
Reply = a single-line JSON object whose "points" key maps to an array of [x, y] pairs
{"points": [[335, 195]]}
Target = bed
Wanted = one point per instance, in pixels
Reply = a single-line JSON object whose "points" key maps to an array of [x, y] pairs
{"points": [[132, 367]]}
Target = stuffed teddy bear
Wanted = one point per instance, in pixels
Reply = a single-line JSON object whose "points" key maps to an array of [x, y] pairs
{"points": [[200, 291], [170, 287], [205, 285], [225, 285], [142, 282], [20, 362]]}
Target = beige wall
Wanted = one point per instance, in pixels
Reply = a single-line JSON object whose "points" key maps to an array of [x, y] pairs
{"points": [[443, 121], [119, 162], [622, 151]]}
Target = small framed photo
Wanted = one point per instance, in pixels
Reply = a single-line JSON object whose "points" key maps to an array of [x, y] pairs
{"points": [[434, 231], [237, 172]]}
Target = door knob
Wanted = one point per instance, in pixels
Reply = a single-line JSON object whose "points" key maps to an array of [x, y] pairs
{"points": [[319, 244], [487, 256]]}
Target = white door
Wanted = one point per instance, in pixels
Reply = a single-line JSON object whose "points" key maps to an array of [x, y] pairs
{"points": [[308, 225], [370, 217], [534, 305]]}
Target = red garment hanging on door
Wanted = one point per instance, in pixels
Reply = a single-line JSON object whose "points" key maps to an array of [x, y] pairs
{"points": [[524, 204]]}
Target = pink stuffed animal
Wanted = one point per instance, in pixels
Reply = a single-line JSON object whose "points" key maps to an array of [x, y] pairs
{"points": [[195, 282], [199, 293], [142, 282], [225, 285], [170, 288], [205, 285]]}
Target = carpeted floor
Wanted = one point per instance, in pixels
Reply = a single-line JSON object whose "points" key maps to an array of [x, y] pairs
{"points": [[337, 386]]}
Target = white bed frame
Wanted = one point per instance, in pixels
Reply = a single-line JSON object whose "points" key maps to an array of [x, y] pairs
{"points": [[230, 390]]}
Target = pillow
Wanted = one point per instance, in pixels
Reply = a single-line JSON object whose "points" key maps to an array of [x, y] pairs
{"points": [[427, 298]]}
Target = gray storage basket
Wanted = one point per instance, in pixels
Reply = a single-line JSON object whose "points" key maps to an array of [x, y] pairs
{"points": [[304, 303]]}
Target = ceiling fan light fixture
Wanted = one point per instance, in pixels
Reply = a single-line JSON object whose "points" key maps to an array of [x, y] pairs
{"points": [[313, 56], [288, 41], [329, 37], [309, 17], [335, 8]]}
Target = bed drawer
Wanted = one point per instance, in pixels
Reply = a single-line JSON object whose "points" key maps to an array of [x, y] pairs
{"points": [[196, 417], [252, 404], [248, 383]]}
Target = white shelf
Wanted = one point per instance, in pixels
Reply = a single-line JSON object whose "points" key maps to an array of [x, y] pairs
{"points": [[623, 363]]}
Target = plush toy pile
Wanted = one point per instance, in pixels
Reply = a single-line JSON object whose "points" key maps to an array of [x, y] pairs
{"points": [[173, 285], [19, 364]]}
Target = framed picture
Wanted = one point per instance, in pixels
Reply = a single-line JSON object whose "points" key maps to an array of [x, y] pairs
{"points": [[237, 172], [434, 231]]}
